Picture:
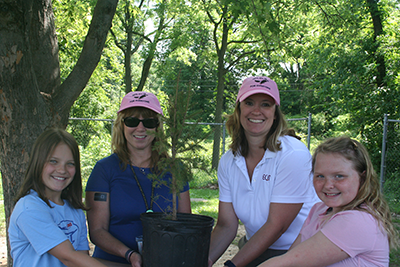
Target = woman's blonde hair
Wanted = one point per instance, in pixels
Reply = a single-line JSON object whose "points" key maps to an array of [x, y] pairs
{"points": [[118, 140], [369, 197], [239, 142]]}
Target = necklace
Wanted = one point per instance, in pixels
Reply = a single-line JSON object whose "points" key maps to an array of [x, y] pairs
{"points": [[148, 209]]}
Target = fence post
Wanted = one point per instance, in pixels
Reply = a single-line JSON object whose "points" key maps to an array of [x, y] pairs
{"points": [[223, 137], [309, 131], [385, 122], [112, 126]]}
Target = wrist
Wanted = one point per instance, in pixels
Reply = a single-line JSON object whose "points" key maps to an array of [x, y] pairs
{"points": [[229, 263], [128, 255]]}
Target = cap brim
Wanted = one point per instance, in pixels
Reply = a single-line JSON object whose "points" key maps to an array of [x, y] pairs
{"points": [[256, 91]]}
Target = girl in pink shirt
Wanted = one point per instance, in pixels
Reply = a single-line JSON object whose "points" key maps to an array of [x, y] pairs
{"points": [[352, 225]]}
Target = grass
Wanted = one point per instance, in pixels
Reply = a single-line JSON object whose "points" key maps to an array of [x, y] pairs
{"points": [[206, 202]]}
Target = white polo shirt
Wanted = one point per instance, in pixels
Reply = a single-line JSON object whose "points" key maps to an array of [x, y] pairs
{"points": [[280, 177]]}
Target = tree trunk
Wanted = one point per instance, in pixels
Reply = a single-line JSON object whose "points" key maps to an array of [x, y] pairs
{"points": [[153, 47], [31, 96], [220, 92], [376, 16], [128, 69]]}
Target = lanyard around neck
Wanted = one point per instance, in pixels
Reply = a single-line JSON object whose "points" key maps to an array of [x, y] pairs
{"points": [[148, 209]]}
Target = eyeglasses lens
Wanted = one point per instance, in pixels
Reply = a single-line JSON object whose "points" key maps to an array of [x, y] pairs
{"points": [[134, 122]]}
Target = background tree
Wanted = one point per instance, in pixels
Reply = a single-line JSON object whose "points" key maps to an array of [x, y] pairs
{"points": [[32, 95], [189, 55], [128, 34], [230, 39]]}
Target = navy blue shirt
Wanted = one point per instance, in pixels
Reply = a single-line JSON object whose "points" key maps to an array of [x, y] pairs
{"points": [[126, 200]]}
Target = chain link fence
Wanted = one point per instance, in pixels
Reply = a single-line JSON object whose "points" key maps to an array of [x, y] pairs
{"points": [[390, 168], [94, 139]]}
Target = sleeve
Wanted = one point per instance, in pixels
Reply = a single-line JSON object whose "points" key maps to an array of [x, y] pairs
{"points": [[293, 183], [83, 240], [354, 232], [310, 215], [40, 229], [185, 188], [98, 180], [312, 222], [223, 181]]}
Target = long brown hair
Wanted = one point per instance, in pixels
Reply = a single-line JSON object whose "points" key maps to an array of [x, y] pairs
{"points": [[119, 144], [239, 142], [369, 193], [41, 152]]}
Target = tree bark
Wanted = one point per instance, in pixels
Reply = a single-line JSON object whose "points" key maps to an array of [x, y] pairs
{"points": [[376, 16], [220, 93], [31, 96], [153, 47]]}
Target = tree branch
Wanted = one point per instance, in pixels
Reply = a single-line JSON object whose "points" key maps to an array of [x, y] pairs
{"points": [[89, 58]]}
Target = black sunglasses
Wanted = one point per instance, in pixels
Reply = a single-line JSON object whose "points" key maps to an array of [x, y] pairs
{"points": [[134, 122]]}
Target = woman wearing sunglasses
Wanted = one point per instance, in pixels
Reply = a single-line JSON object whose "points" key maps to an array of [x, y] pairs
{"points": [[118, 190]]}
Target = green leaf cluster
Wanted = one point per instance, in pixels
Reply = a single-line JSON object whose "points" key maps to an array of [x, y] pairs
{"points": [[180, 141]]}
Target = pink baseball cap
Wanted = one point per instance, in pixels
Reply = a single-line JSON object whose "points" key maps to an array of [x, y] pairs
{"points": [[257, 85], [140, 99]]}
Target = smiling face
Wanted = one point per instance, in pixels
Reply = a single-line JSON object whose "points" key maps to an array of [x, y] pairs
{"points": [[58, 172], [257, 114], [335, 180], [138, 138]]}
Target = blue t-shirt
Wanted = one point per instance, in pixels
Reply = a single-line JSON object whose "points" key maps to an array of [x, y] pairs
{"points": [[35, 228], [126, 200]]}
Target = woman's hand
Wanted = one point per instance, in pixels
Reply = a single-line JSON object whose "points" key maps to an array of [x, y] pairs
{"points": [[136, 259]]}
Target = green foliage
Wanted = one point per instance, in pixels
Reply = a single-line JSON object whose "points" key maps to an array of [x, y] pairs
{"points": [[391, 190], [72, 19], [395, 254], [92, 146], [174, 141], [204, 179], [3, 229]]}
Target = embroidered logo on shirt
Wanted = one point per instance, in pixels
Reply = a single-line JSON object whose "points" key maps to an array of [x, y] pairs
{"points": [[266, 177], [69, 228]]}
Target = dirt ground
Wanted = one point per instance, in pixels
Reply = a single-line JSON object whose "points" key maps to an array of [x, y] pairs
{"points": [[229, 253], [3, 251]]}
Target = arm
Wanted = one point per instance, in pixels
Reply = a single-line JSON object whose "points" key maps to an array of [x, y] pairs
{"points": [[279, 219], [315, 251], [66, 253], [184, 202], [98, 217], [224, 232], [296, 242]]}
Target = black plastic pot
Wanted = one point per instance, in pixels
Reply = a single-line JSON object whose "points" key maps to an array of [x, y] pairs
{"points": [[168, 243]]}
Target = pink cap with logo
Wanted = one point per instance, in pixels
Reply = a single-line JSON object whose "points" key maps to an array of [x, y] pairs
{"points": [[141, 99], [258, 85]]}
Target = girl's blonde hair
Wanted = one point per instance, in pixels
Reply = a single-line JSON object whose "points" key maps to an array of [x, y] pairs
{"points": [[239, 143], [369, 197], [118, 140]]}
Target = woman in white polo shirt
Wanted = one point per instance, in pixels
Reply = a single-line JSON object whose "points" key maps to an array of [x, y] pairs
{"points": [[264, 179]]}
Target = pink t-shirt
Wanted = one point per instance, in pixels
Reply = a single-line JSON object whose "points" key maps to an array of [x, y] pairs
{"points": [[355, 232]]}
